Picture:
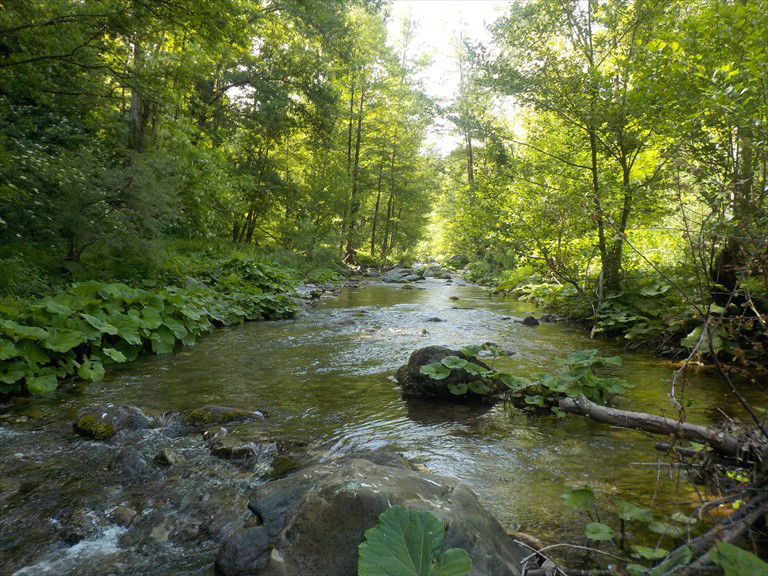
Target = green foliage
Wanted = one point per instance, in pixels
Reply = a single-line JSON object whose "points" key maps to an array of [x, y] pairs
{"points": [[735, 561], [92, 324], [580, 499], [408, 542], [578, 377], [599, 532]]}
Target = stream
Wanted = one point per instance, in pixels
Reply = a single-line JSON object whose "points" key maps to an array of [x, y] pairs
{"points": [[324, 380]]}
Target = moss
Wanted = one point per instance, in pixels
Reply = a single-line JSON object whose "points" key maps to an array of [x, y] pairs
{"points": [[91, 427], [198, 417], [215, 415]]}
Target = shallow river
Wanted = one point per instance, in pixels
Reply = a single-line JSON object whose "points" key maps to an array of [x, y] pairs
{"points": [[325, 381]]}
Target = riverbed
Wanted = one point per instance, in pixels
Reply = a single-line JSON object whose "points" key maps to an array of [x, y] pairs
{"points": [[325, 381]]}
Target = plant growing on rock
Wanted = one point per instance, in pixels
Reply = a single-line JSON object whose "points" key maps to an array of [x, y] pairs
{"points": [[544, 390], [407, 542]]}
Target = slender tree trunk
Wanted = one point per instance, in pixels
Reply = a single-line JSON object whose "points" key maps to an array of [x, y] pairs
{"points": [[470, 162], [354, 203], [599, 220], [376, 209], [395, 225], [390, 203], [350, 124], [612, 275], [137, 114]]}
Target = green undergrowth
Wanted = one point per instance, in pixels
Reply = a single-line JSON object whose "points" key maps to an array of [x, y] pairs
{"points": [[77, 331]]}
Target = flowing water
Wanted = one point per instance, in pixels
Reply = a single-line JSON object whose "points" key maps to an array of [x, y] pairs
{"points": [[325, 380]]}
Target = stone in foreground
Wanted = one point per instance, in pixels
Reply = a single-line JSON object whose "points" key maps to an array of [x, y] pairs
{"points": [[313, 522]]}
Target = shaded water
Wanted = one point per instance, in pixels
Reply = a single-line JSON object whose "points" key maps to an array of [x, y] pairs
{"points": [[325, 381]]}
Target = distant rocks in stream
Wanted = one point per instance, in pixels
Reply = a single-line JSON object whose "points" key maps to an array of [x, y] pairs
{"points": [[417, 385], [313, 521]]}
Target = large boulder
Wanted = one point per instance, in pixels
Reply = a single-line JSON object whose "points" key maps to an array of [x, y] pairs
{"points": [[415, 384], [313, 522]]}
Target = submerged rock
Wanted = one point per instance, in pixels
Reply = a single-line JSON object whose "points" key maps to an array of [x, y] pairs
{"points": [[207, 415], [530, 321], [233, 449], [130, 463], [415, 384], [102, 423], [169, 457], [313, 521]]}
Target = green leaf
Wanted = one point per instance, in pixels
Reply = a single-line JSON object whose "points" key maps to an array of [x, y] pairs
{"points": [[683, 519], [471, 350], [458, 388], [612, 361], [100, 325], [649, 553], [56, 308], [13, 373], [692, 338], [435, 370], [582, 357], [13, 328], [407, 542], [636, 569], [7, 349], [479, 387], [514, 382], [680, 557], [455, 562], [613, 385], [151, 318], [737, 562], [665, 529], [116, 355], [163, 340], [475, 370], [176, 327], [535, 400], [63, 340], [43, 383], [453, 362], [32, 353], [628, 511], [599, 531], [580, 499], [91, 370]]}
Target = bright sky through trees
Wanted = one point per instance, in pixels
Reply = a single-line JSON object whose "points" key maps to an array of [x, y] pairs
{"points": [[439, 23]]}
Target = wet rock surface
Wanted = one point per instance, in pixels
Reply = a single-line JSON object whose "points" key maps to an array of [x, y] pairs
{"points": [[415, 384], [313, 521], [103, 422], [157, 492]]}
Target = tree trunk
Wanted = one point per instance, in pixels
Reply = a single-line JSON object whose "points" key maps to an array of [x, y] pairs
{"points": [[602, 245], [376, 210], [354, 203], [389, 203], [612, 269], [137, 115]]}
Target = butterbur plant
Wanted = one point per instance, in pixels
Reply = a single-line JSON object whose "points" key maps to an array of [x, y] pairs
{"points": [[543, 390], [407, 542]]}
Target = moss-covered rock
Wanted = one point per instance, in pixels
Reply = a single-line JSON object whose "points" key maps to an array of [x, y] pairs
{"points": [[207, 415], [93, 428], [103, 422]]}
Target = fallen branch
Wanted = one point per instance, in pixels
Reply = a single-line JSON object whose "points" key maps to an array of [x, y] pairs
{"points": [[719, 440]]}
